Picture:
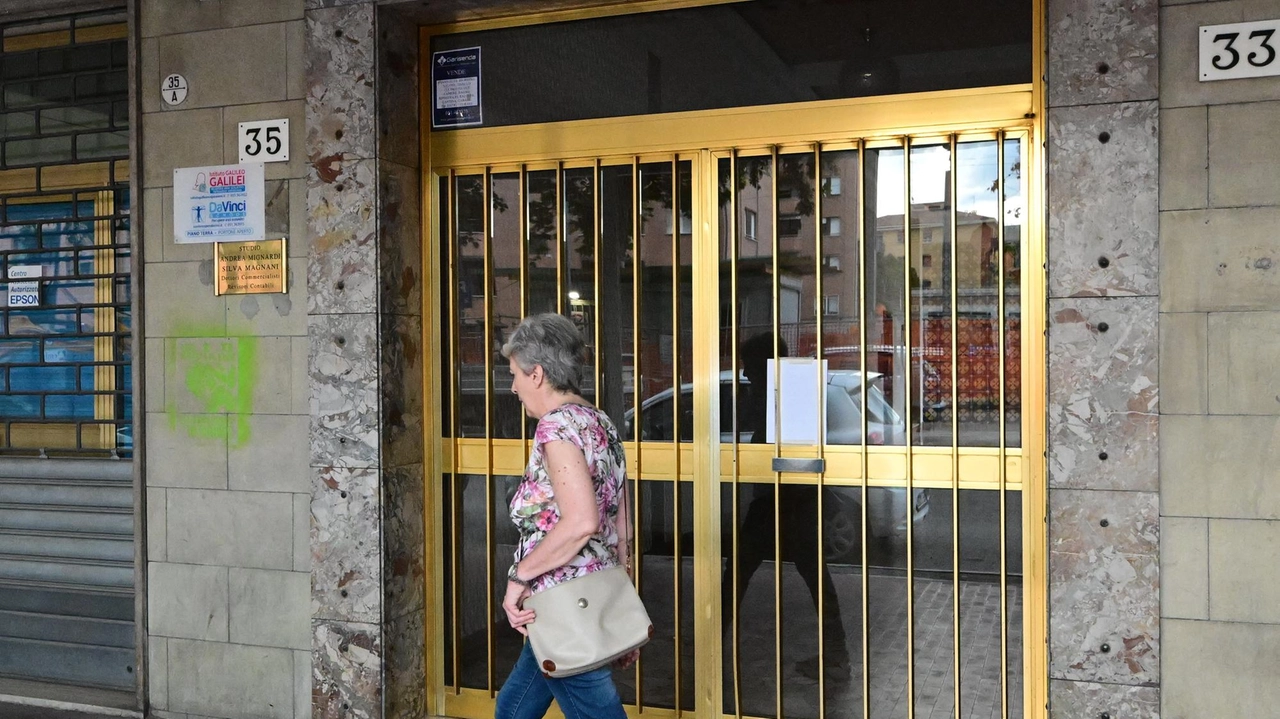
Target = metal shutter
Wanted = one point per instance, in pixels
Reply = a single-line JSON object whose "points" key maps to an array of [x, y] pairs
{"points": [[66, 571]]}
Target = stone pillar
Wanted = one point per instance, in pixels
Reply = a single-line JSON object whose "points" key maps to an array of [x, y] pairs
{"points": [[365, 328], [1104, 623]]}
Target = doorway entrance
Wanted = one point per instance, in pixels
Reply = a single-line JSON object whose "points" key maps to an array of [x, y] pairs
{"points": [[819, 327]]}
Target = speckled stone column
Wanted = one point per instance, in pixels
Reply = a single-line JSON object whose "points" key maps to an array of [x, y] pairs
{"points": [[1104, 581]]}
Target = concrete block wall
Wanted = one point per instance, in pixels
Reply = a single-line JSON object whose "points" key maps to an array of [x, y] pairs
{"points": [[1220, 410], [227, 416]]}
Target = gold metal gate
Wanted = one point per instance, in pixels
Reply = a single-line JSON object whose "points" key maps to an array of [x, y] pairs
{"points": [[865, 536]]}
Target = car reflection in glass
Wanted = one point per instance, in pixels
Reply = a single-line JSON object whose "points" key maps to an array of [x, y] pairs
{"points": [[842, 514]]}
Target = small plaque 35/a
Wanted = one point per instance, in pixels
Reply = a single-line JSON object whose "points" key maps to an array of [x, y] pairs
{"points": [[250, 268]]}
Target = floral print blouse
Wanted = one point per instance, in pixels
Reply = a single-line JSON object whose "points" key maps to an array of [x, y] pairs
{"points": [[533, 508]]}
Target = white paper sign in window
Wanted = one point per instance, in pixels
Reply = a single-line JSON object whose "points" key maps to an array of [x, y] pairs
{"points": [[800, 405]]}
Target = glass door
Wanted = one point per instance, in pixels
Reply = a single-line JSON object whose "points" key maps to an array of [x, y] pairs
{"points": [[607, 242], [870, 422]]}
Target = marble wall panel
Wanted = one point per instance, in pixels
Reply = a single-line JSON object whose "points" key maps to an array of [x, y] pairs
{"points": [[1103, 199], [405, 668], [400, 238], [1089, 700], [1103, 395], [404, 538], [402, 399], [346, 545], [342, 361], [1104, 622], [341, 72], [346, 671], [398, 106], [342, 271], [1102, 51]]}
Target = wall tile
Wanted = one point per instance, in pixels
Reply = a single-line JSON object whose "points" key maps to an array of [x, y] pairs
{"points": [[1219, 669], [187, 601], [1184, 567], [1085, 34], [1104, 583], [273, 386], [1184, 378], [406, 668], [186, 450], [346, 671], [153, 223], [398, 121], [342, 273], [1243, 155], [1180, 84], [283, 314], [300, 377], [1219, 260], [344, 393], [346, 545], [295, 60], [230, 680], [1244, 577], [1220, 466], [270, 608], [238, 66], [302, 685], [180, 301], [400, 239], [340, 71], [169, 142], [404, 543], [157, 671], [1103, 394], [302, 534], [273, 458], [402, 398], [1088, 700], [157, 516], [1184, 158], [153, 366], [1243, 376], [1103, 200], [240, 529], [166, 17], [253, 12]]}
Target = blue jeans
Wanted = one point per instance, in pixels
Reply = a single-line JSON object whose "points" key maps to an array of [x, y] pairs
{"points": [[527, 693]]}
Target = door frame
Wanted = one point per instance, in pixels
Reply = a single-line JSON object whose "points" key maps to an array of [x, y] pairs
{"points": [[706, 135]]}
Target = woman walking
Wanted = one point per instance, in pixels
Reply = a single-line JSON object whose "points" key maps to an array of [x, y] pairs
{"points": [[570, 510]]}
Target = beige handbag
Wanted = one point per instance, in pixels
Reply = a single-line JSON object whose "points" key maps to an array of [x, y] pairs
{"points": [[585, 623]]}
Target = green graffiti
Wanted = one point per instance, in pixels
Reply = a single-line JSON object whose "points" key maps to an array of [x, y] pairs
{"points": [[211, 381]]}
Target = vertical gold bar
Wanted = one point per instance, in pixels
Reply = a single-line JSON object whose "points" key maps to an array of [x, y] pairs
{"points": [[862, 367], [819, 310], [955, 425], [907, 350], [707, 558], [487, 230], [1000, 339], [455, 327], [104, 323], [675, 423], [735, 637], [777, 438], [635, 395], [523, 196], [561, 241], [595, 294]]}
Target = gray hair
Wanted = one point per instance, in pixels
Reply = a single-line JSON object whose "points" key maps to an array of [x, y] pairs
{"points": [[552, 341]]}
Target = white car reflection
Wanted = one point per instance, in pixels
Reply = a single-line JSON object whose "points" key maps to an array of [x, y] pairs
{"points": [[887, 509]]}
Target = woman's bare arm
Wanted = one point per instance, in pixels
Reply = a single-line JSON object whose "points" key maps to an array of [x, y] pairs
{"points": [[579, 515]]}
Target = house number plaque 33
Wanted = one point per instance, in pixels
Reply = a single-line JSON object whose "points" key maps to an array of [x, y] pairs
{"points": [[1239, 50]]}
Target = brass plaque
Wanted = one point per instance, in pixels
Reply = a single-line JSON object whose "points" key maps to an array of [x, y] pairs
{"points": [[250, 268]]}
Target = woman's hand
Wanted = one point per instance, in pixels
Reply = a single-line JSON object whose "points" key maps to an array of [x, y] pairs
{"points": [[513, 605], [627, 659]]}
